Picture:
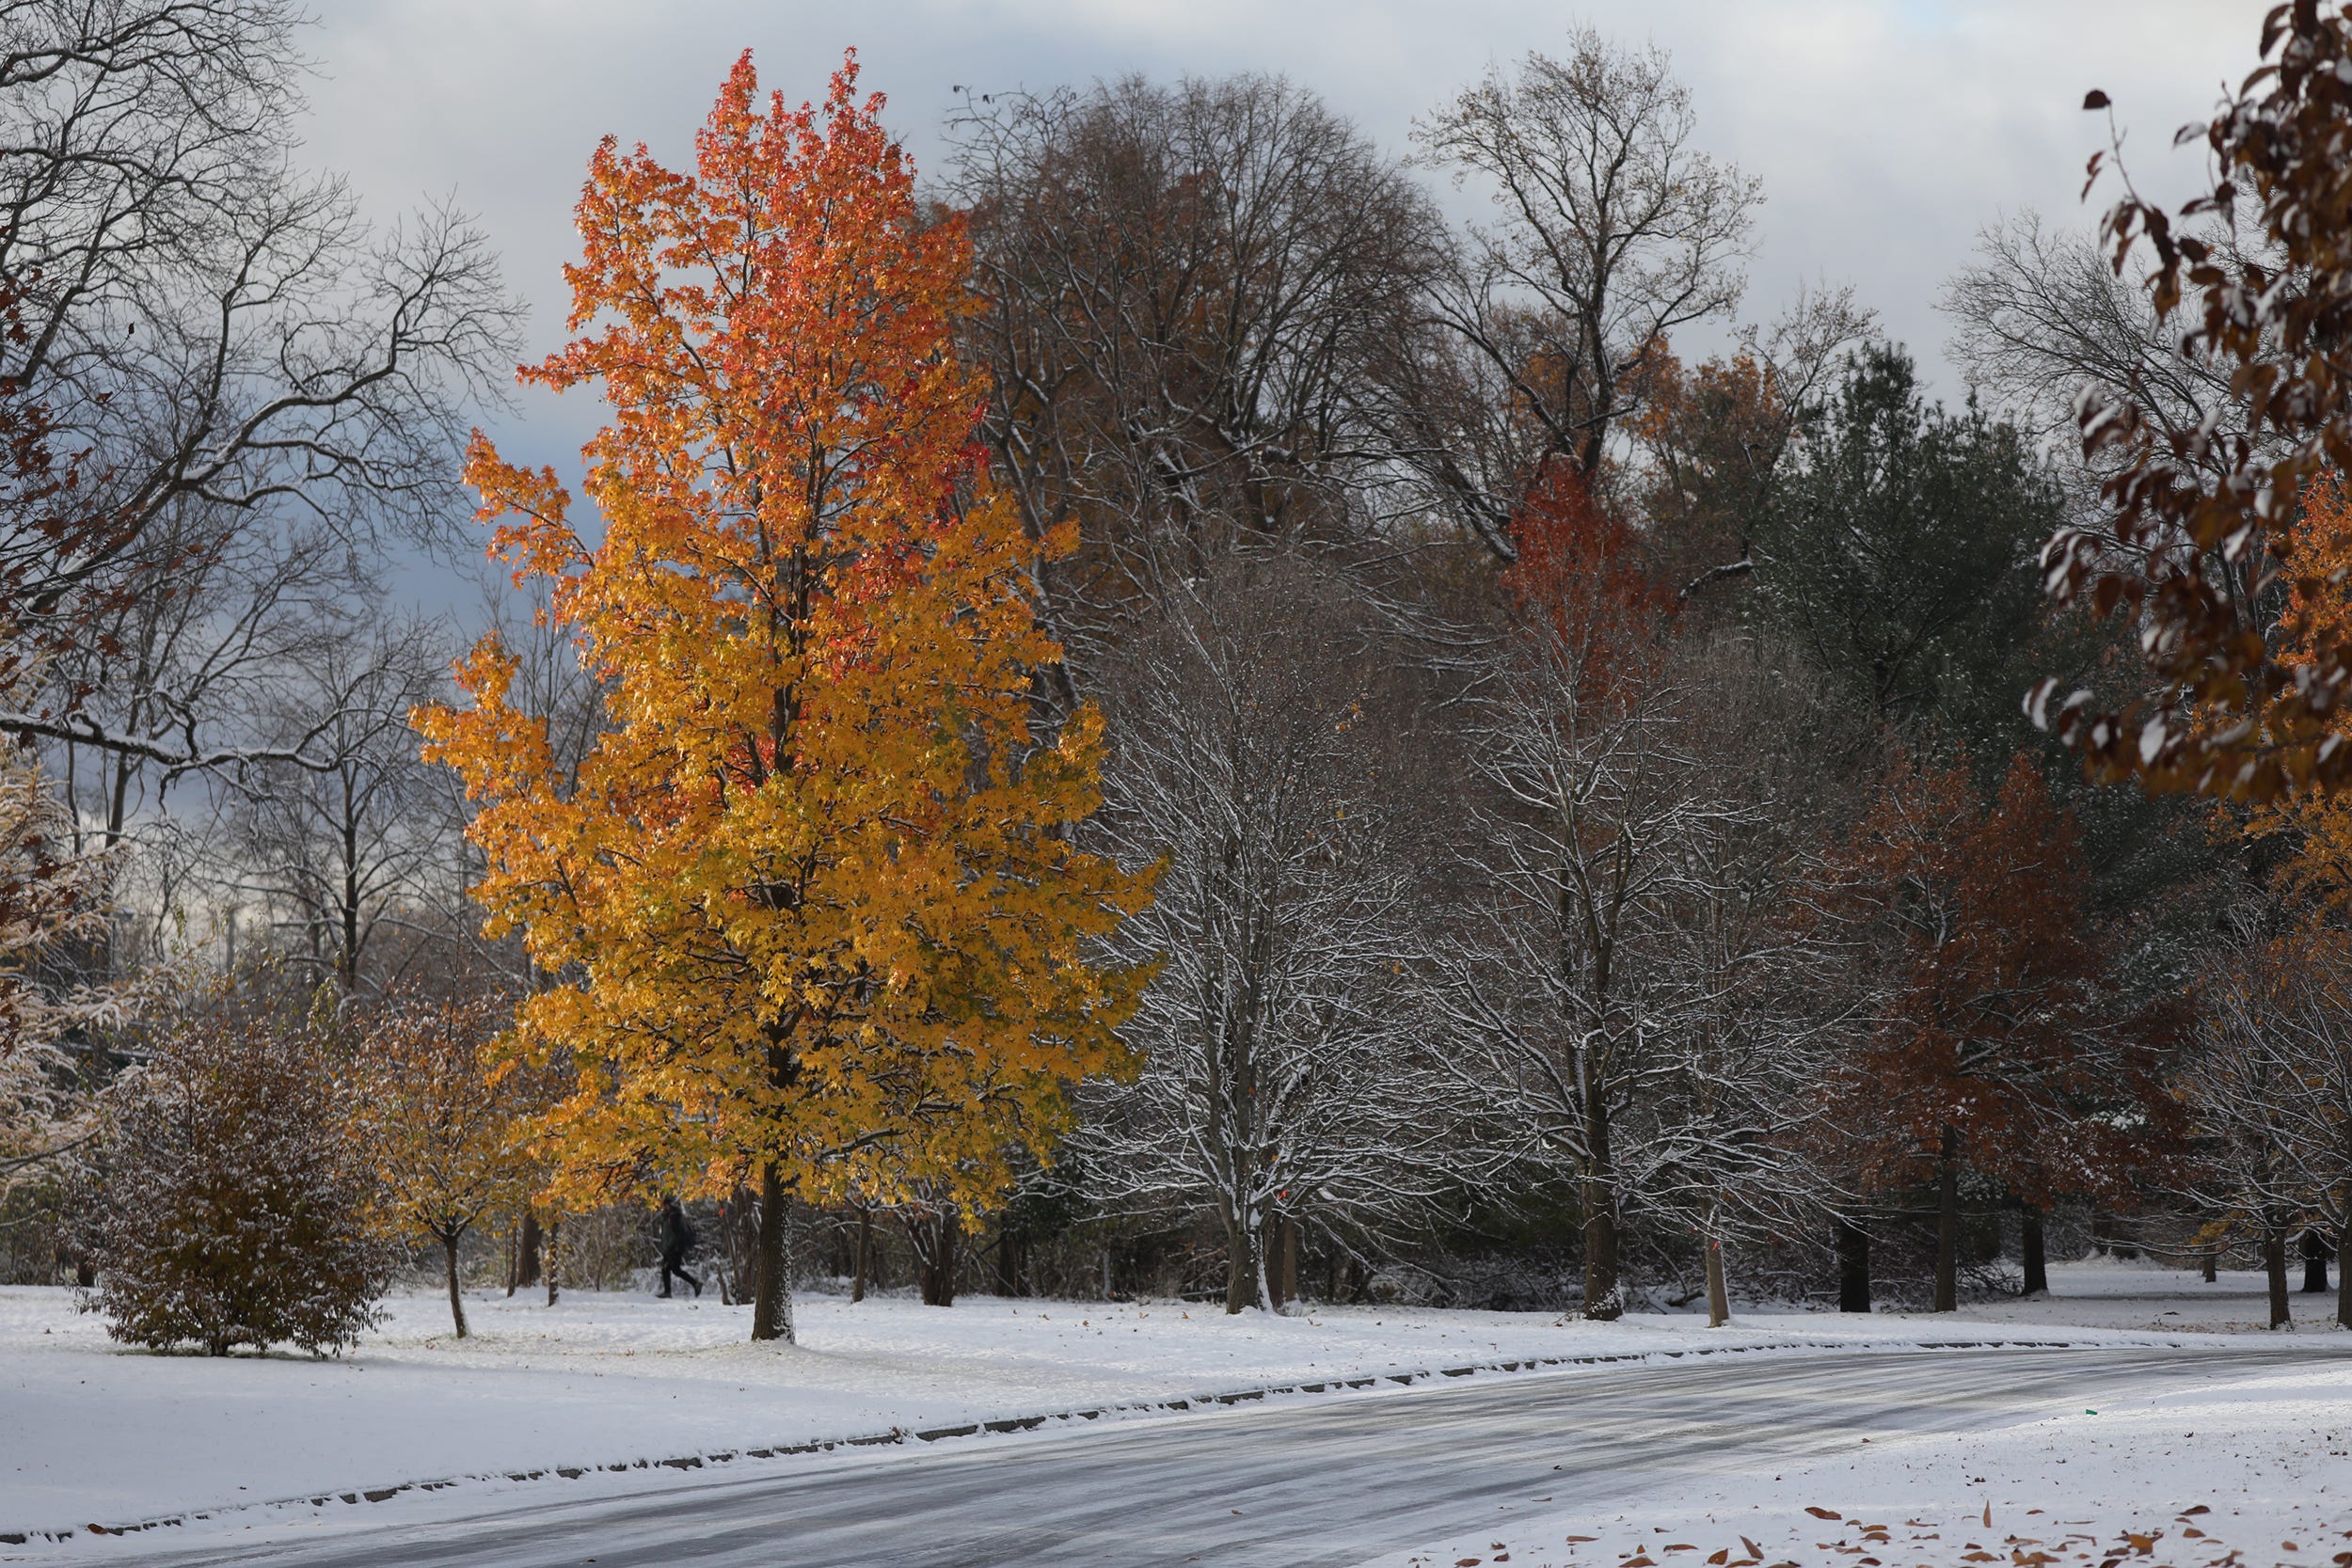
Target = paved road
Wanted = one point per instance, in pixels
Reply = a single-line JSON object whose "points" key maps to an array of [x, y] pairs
{"points": [[1318, 1485]]}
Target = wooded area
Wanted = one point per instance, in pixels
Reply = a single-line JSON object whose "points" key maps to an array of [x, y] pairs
{"points": [[1142, 711]]}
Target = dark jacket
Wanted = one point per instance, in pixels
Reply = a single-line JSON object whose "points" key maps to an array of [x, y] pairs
{"points": [[677, 1231]]}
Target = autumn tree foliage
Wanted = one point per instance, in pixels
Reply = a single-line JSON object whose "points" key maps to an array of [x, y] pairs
{"points": [[2315, 874], [1611, 231], [1711, 438], [1712, 442], [445, 1129], [1583, 583], [2251, 277], [1993, 1049], [812, 892]]}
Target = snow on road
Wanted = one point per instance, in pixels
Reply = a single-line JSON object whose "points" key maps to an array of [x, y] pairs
{"points": [[98, 1433], [2252, 1467]]}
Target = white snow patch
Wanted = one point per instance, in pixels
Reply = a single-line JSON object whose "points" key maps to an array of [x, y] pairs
{"points": [[98, 1433], [2252, 1467]]}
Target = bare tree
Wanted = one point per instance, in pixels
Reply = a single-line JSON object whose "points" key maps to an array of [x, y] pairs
{"points": [[1628, 990], [53, 894], [1613, 233], [1631, 975], [210, 616], [2270, 1091], [1761, 1005], [369, 839], [1190, 289], [2041, 314], [1561, 988], [2042, 319], [1284, 1074], [212, 333]]}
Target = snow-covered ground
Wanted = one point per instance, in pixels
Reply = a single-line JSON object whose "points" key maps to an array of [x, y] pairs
{"points": [[2112, 1293], [96, 1434], [2254, 1467]]}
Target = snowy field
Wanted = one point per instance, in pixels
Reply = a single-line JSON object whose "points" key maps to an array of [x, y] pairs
{"points": [[2247, 1470], [2111, 1294], [96, 1434]]}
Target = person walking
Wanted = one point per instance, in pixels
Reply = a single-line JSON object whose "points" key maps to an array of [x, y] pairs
{"points": [[677, 1240]]}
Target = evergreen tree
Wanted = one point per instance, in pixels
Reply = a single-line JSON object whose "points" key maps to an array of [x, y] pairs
{"points": [[1900, 552]]}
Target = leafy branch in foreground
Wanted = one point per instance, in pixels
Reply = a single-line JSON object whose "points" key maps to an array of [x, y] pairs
{"points": [[2256, 275]]}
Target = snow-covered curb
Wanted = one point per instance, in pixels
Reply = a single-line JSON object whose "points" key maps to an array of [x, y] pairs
{"points": [[1061, 1419]]}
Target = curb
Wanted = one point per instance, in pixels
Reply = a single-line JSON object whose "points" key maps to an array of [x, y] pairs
{"points": [[902, 1435]]}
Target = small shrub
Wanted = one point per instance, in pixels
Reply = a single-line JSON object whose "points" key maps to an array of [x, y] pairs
{"points": [[231, 1206]]}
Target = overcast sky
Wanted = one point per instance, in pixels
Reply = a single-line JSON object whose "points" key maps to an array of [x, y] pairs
{"points": [[1886, 132]]}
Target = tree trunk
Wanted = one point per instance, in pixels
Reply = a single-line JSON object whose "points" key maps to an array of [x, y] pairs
{"points": [[1947, 1224], [1854, 1265], [1245, 1274], [772, 1290], [2344, 1277], [457, 1302], [864, 1252], [1013, 1261], [1604, 1298], [1604, 1292], [1286, 1272], [935, 1238], [2036, 1253], [526, 1254], [2213, 1264], [1277, 1246], [2314, 1263], [2275, 1267], [552, 1255], [1718, 1295]]}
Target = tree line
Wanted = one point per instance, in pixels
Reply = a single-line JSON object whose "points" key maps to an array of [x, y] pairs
{"points": [[1143, 685]]}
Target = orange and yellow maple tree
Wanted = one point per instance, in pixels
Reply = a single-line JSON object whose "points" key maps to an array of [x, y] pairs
{"points": [[813, 895], [2315, 873]]}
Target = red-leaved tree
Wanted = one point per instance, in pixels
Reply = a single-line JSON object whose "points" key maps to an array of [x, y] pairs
{"points": [[1996, 1048]]}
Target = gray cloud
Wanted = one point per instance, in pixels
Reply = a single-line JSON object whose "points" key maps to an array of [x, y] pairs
{"points": [[1885, 130]]}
